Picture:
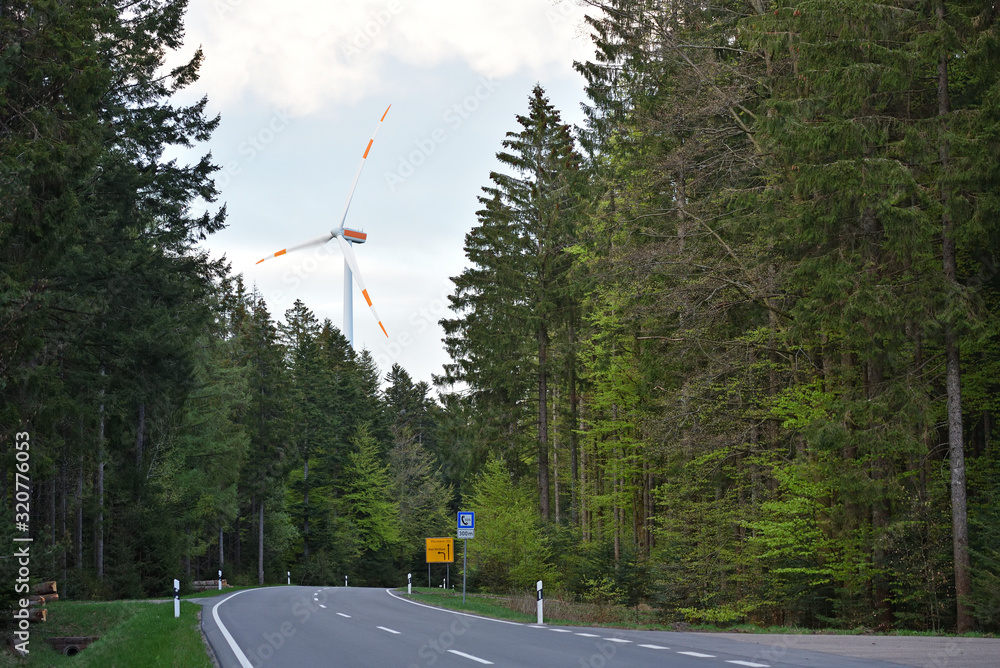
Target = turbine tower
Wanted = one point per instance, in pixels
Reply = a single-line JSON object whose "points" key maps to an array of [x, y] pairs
{"points": [[346, 237]]}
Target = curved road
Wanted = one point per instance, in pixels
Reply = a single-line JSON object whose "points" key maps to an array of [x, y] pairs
{"points": [[347, 627]]}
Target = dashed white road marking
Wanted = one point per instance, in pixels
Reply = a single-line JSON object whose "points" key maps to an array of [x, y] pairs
{"points": [[343, 615], [561, 630], [387, 629], [322, 606], [536, 626], [653, 647], [588, 635], [699, 655], [469, 656], [617, 640], [750, 664]]}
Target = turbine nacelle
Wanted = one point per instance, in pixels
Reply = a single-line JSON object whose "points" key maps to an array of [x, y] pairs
{"points": [[354, 236]]}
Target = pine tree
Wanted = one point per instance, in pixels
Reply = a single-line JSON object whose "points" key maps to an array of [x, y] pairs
{"points": [[515, 297]]}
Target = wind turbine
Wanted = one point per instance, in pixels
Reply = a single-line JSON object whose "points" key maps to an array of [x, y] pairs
{"points": [[346, 237]]}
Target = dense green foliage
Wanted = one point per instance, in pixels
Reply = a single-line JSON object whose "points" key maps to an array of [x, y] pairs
{"points": [[731, 349], [785, 267]]}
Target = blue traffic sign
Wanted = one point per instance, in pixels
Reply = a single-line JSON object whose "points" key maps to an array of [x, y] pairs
{"points": [[466, 520]]}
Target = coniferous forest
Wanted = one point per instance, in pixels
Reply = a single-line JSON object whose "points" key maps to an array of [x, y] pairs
{"points": [[731, 349]]}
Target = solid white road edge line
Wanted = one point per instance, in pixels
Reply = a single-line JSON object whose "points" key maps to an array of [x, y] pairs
{"points": [[387, 629], [454, 612], [469, 656], [240, 656]]}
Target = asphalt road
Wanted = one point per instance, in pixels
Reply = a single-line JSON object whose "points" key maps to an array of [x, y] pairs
{"points": [[351, 627]]}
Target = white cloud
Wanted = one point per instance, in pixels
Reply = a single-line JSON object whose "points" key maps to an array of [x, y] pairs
{"points": [[305, 54]]}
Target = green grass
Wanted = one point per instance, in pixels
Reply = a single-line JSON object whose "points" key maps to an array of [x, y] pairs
{"points": [[133, 635], [564, 613], [475, 603]]}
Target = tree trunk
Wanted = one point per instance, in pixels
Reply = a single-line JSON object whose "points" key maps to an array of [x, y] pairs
{"points": [[99, 524], [555, 447], [260, 546], [78, 502], [305, 507], [543, 422], [574, 418], [956, 446], [140, 435]]}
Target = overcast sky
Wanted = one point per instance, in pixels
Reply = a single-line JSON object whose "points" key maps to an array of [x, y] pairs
{"points": [[301, 85]]}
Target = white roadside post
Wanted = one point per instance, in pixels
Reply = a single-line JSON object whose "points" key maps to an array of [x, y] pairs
{"points": [[220, 579], [539, 586], [177, 598], [345, 580], [409, 583], [289, 574]]}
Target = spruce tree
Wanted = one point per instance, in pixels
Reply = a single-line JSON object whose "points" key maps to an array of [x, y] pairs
{"points": [[513, 299]]}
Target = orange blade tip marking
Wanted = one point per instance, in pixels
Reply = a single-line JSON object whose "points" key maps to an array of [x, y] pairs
{"points": [[367, 298], [370, 142], [383, 329], [385, 114], [281, 252], [259, 261]]}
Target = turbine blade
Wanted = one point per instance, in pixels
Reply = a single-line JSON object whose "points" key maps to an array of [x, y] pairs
{"points": [[353, 264], [318, 241], [354, 184]]}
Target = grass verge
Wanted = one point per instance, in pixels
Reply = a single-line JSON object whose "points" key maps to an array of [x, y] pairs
{"points": [[476, 604], [565, 613], [133, 634]]}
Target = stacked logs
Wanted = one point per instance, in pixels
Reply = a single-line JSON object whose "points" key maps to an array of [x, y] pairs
{"points": [[41, 593], [205, 585]]}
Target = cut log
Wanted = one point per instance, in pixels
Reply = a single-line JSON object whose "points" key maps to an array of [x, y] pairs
{"points": [[37, 614], [44, 588], [35, 601]]}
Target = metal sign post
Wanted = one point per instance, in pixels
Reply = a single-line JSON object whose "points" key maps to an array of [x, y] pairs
{"points": [[466, 530]]}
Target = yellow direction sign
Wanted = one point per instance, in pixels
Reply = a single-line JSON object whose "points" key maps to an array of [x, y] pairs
{"points": [[440, 550]]}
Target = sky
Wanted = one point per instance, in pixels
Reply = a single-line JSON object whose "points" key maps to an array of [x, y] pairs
{"points": [[300, 86]]}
